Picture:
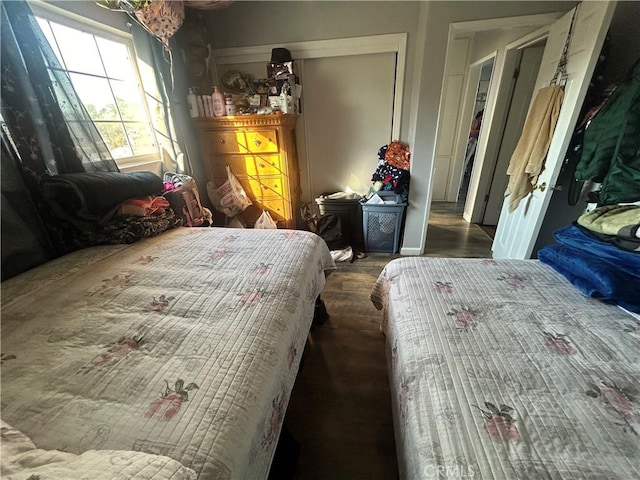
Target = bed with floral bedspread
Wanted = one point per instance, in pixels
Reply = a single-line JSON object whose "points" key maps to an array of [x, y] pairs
{"points": [[503, 370], [184, 346]]}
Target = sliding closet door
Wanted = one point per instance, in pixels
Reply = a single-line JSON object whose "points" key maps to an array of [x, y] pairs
{"points": [[348, 109]]}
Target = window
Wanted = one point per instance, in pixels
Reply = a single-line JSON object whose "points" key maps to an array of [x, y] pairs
{"points": [[104, 73]]}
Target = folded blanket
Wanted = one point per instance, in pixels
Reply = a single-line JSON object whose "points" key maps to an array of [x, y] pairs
{"points": [[598, 269], [95, 196], [610, 219], [617, 224], [594, 277], [577, 238]]}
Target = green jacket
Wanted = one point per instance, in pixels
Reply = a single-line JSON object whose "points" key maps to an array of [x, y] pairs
{"points": [[611, 149]]}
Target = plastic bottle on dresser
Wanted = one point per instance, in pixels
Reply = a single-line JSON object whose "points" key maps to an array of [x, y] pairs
{"points": [[201, 111], [229, 107], [192, 101], [218, 102], [285, 105]]}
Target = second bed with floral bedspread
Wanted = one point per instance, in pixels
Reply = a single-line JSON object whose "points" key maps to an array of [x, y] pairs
{"points": [[186, 345], [503, 370]]}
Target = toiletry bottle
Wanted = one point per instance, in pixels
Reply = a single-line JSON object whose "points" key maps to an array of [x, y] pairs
{"points": [[218, 102], [208, 105], [229, 107], [192, 101], [284, 98], [201, 110]]}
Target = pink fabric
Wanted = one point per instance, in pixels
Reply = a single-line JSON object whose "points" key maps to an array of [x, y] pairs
{"points": [[143, 207]]}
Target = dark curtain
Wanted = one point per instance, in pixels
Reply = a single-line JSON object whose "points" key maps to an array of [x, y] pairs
{"points": [[50, 133], [47, 122], [25, 241], [172, 83]]}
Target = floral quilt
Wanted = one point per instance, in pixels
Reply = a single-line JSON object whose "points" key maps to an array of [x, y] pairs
{"points": [[21, 460], [503, 370], [185, 345]]}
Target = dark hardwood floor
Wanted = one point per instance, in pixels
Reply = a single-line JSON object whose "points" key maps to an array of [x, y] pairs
{"points": [[340, 408], [449, 235]]}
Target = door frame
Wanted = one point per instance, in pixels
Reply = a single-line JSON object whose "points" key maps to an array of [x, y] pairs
{"points": [[475, 70], [467, 102], [494, 118], [498, 100], [513, 61]]}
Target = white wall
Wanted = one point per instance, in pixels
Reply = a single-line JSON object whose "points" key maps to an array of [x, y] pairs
{"points": [[445, 175], [489, 41]]}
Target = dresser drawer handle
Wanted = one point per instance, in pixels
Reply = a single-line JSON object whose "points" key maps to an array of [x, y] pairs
{"points": [[222, 140], [257, 141]]}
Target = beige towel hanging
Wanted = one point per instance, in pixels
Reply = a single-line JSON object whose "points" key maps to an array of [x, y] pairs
{"points": [[529, 155]]}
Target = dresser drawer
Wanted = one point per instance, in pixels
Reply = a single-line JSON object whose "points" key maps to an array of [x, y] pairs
{"points": [[253, 165], [259, 189], [277, 208], [265, 187], [244, 141]]}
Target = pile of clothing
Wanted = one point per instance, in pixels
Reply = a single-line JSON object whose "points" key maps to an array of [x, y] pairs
{"points": [[392, 173], [600, 254], [97, 208]]}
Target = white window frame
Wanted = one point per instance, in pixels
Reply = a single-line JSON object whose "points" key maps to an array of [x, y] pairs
{"points": [[149, 161]]}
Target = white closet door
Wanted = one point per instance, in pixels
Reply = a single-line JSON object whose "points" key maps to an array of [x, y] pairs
{"points": [[348, 109]]}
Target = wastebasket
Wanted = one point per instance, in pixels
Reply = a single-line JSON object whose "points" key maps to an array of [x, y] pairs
{"points": [[347, 206], [382, 223]]}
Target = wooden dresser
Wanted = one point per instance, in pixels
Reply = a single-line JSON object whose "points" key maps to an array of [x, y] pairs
{"points": [[261, 151]]}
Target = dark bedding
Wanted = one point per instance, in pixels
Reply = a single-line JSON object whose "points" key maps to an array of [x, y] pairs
{"points": [[598, 269], [93, 196]]}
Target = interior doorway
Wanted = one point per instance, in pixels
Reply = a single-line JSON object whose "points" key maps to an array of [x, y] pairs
{"points": [[527, 64], [515, 234], [475, 128]]}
